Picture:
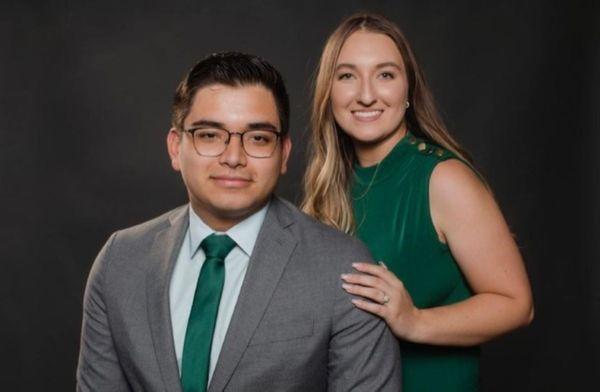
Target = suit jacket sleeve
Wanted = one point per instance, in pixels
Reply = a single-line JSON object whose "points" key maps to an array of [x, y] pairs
{"points": [[363, 353], [98, 368]]}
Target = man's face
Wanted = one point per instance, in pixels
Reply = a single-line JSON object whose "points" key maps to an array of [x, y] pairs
{"points": [[226, 189]]}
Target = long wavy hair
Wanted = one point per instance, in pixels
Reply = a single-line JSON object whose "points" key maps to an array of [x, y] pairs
{"points": [[328, 177]]}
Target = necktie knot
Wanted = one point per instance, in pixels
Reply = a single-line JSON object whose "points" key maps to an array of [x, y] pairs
{"points": [[217, 246]]}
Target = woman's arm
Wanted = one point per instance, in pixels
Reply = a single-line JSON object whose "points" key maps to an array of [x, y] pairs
{"points": [[467, 217]]}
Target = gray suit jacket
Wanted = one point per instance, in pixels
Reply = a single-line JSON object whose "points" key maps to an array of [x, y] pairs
{"points": [[293, 328]]}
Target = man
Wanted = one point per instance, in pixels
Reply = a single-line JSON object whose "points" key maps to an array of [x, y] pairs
{"points": [[237, 291]]}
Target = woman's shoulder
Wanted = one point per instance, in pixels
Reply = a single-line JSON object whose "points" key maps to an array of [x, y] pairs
{"points": [[444, 172], [434, 158], [426, 150], [456, 186], [426, 156]]}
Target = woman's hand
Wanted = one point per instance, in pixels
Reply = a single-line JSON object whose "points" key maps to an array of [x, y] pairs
{"points": [[386, 297]]}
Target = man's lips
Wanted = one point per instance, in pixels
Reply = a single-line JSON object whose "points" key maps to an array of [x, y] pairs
{"points": [[366, 115], [231, 181]]}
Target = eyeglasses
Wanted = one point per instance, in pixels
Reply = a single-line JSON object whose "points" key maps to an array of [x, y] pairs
{"points": [[212, 142]]}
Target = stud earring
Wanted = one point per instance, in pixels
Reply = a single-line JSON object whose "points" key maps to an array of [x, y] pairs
{"points": [[407, 104]]}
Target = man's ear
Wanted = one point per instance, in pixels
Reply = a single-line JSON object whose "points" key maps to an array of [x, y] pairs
{"points": [[286, 148], [173, 145]]}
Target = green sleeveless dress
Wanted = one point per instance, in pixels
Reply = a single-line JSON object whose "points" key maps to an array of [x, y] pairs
{"points": [[391, 209]]}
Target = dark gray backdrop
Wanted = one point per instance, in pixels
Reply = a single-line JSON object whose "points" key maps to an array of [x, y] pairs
{"points": [[85, 89]]}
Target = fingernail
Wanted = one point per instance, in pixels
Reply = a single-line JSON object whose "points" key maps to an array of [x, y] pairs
{"points": [[355, 265], [344, 276], [381, 263], [346, 286]]}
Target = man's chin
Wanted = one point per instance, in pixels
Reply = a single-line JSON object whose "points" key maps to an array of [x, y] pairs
{"points": [[227, 213], [235, 212]]}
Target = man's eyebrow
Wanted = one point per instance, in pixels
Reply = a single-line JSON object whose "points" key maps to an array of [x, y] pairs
{"points": [[265, 125], [380, 65], [262, 125], [208, 123]]}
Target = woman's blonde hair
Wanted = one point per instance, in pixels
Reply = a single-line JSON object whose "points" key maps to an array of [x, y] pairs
{"points": [[328, 177]]}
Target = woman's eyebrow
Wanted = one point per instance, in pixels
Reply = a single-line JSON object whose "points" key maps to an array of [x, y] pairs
{"points": [[345, 65], [388, 64], [380, 65]]}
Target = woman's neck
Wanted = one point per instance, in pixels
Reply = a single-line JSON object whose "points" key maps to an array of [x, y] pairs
{"points": [[369, 154]]}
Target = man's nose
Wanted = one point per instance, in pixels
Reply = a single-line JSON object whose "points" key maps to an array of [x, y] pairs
{"points": [[234, 154]]}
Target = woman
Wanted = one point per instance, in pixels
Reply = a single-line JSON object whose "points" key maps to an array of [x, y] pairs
{"points": [[384, 167]]}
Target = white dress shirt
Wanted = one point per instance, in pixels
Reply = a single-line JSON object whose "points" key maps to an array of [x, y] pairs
{"points": [[187, 269]]}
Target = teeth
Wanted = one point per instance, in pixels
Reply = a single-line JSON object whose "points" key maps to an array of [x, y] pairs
{"points": [[364, 114]]}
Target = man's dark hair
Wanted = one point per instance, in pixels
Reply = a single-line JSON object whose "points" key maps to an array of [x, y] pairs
{"points": [[231, 69]]}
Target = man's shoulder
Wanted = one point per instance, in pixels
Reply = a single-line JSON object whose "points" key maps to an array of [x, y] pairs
{"points": [[148, 229], [320, 237], [130, 248], [307, 224]]}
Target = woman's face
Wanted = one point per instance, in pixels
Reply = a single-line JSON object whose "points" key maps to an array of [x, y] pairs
{"points": [[369, 94]]}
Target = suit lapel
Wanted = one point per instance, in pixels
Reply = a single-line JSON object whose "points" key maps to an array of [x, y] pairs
{"points": [[274, 246], [163, 256]]}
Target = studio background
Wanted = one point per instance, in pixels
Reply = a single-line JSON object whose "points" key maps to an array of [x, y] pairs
{"points": [[85, 92]]}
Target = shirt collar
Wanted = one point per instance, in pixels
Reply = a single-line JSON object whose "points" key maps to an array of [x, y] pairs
{"points": [[244, 233]]}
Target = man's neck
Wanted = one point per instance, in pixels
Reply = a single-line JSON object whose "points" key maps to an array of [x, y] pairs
{"points": [[222, 221]]}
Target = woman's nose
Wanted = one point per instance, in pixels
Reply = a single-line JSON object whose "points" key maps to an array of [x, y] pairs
{"points": [[366, 93]]}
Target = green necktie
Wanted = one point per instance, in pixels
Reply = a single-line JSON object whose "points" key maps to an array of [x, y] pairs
{"points": [[201, 324]]}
